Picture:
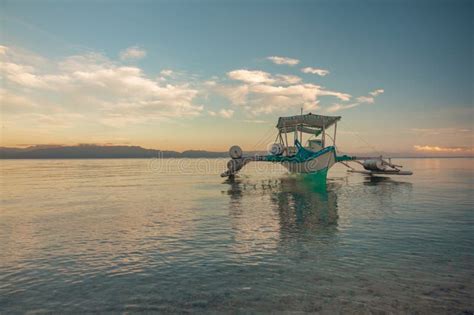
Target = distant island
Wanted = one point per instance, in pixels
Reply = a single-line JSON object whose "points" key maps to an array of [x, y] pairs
{"points": [[89, 151], [95, 151]]}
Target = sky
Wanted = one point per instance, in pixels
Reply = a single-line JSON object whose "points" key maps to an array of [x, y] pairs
{"points": [[179, 75]]}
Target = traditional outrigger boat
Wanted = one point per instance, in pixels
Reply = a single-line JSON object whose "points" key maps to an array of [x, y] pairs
{"points": [[317, 157]]}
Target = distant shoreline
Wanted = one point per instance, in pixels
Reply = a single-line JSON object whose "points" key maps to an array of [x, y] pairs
{"points": [[136, 152]]}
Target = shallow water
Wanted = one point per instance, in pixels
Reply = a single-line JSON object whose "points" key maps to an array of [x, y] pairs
{"points": [[172, 236]]}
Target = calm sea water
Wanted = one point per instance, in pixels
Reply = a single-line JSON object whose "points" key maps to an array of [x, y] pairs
{"points": [[172, 236]]}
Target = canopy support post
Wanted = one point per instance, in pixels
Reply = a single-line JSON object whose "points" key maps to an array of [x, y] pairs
{"points": [[324, 137], [301, 126], [334, 139]]}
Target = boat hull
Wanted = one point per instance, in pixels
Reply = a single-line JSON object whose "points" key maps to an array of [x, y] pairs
{"points": [[320, 164]]}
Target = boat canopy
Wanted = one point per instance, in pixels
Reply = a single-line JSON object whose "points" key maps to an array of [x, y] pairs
{"points": [[309, 123], [313, 131]]}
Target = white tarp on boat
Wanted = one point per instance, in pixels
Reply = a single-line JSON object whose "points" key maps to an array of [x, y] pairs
{"points": [[309, 120]]}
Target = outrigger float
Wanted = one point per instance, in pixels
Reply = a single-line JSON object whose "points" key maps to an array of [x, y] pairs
{"points": [[317, 157]]}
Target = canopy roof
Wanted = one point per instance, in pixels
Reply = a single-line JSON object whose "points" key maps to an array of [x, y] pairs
{"points": [[289, 124], [313, 131]]}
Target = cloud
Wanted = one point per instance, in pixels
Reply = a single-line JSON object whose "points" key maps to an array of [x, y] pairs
{"points": [[366, 99], [287, 79], [27, 76], [265, 99], [283, 60], [237, 95], [224, 113], [307, 91], [21, 56], [166, 72], [376, 92], [108, 92], [132, 53], [431, 148], [257, 77], [371, 98], [95, 85], [264, 93], [360, 100], [320, 72], [337, 107], [210, 83], [251, 76], [323, 92]]}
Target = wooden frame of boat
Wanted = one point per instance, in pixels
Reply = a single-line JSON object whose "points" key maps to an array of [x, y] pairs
{"points": [[315, 158]]}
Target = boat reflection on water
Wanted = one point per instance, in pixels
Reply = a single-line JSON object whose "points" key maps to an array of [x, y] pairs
{"points": [[299, 207], [306, 205], [382, 180]]}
